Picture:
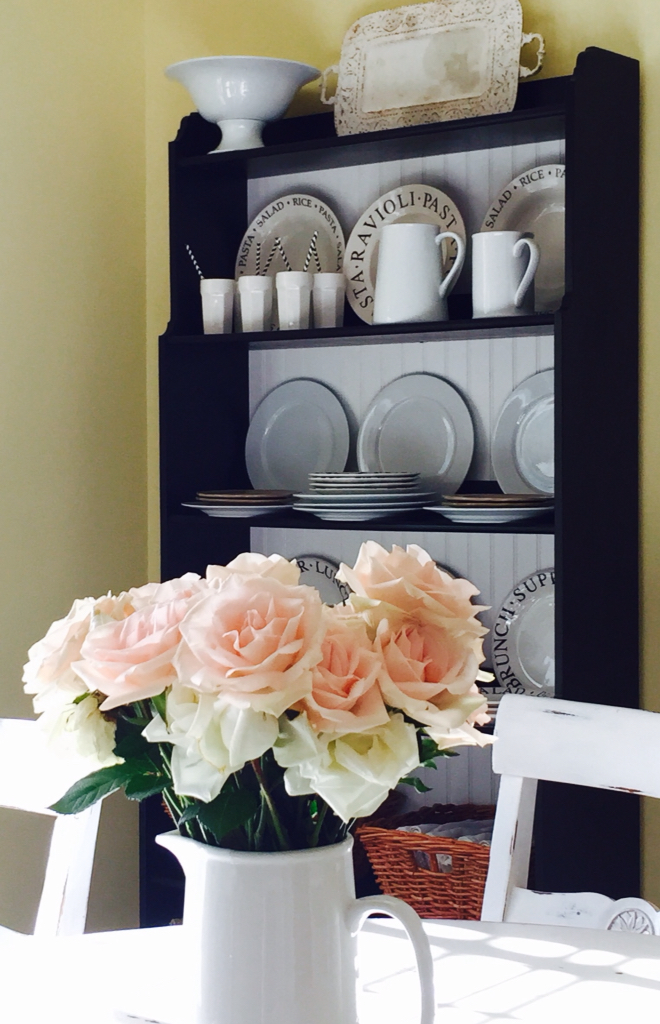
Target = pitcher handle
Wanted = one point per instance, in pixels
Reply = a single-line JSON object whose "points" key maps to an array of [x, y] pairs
{"points": [[328, 100], [529, 37], [406, 916], [458, 264], [532, 267]]}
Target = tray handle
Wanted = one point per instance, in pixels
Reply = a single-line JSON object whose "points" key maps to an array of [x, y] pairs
{"points": [[529, 37], [328, 100]]}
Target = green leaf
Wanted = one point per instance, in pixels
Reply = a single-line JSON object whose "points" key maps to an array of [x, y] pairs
{"points": [[87, 791], [230, 809], [428, 748], [160, 704], [429, 764], [142, 786], [416, 783], [133, 745], [191, 811]]}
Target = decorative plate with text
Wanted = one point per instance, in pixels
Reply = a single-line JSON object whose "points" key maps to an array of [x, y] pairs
{"points": [[409, 204]]}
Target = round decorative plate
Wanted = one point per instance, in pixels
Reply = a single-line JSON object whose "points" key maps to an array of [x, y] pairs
{"points": [[523, 445], [418, 423], [409, 204], [295, 232], [535, 203], [523, 637], [321, 572], [299, 428]]}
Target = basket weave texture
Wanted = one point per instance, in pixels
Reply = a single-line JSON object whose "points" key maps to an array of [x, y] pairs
{"points": [[438, 877]]}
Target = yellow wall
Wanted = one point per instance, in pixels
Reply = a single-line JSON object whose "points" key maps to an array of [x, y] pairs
{"points": [[312, 31], [72, 329]]}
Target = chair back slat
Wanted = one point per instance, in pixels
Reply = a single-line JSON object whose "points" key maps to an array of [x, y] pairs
{"points": [[584, 744], [31, 780]]}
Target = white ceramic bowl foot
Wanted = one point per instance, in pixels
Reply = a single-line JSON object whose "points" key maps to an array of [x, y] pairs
{"points": [[240, 134]]}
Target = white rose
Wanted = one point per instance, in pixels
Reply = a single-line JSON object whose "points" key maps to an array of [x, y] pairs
{"points": [[211, 740], [81, 735], [352, 773]]}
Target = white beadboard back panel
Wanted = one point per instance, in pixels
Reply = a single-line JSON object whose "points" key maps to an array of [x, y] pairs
{"points": [[494, 563], [484, 370], [472, 179]]}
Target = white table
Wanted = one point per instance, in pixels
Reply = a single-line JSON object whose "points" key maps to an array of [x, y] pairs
{"points": [[484, 974]]}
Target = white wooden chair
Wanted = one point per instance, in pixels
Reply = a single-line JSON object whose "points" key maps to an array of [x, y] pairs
{"points": [[29, 782], [564, 741]]}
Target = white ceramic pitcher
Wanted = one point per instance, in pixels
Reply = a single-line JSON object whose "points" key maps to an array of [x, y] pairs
{"points": [[410, 284], [273, 935]]}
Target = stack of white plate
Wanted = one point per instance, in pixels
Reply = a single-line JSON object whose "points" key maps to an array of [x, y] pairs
{"points": [[356, 497], [371, 483]]}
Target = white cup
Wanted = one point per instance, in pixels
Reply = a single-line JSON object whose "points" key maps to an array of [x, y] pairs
{"points": [[410, 287], [503, 267], [217, 304], [328, 299], [255, 295], [294, 297]]}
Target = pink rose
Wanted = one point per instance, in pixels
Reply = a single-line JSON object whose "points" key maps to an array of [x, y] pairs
{"points": [[429, 674], [410, 582], [50, 673], [345, 697], [132, 660], [158, 593], [252, 564], [254, 641]]}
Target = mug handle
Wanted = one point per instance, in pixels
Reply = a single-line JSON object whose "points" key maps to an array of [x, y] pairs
{"points": [[458, 264], [529, 37], [532, 267], [328, 100], [405, 915]]}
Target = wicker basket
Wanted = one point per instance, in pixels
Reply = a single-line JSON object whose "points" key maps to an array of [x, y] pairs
{"points": [[438, 877]]}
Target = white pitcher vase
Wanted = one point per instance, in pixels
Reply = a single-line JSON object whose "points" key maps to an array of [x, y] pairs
{"points": [[273, 935]]}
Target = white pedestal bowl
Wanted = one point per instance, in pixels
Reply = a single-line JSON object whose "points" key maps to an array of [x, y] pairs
{"points": [[240, 94]]}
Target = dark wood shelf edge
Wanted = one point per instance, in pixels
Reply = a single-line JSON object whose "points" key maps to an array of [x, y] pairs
{"points": [[422, 522], [482, 125], [540, 323]]}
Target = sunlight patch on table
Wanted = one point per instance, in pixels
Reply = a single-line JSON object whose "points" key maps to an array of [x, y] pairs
{"points": [[532, 947], [514, 994], [602, 1002], [595, 958]]}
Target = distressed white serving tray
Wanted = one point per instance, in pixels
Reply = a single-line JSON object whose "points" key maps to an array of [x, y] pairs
{"points": [[430, 62]]}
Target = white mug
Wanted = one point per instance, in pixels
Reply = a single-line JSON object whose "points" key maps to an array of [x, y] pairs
{"points": [[503, 267], [409, 284], [255, 295], [294, 296], [217, 304], [328, 299]]}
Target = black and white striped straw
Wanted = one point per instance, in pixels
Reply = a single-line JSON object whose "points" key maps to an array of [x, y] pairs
{"points": [[195, 263], [310, 251]]}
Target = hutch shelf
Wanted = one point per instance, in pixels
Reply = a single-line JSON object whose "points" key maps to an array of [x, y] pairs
{"points": [[210, 384]]}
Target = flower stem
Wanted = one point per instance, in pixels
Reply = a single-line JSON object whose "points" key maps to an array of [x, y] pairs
{"points": [[320, 818], [278, 826]]}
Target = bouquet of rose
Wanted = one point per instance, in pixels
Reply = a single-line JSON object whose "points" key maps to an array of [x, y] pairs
{"points": [[267, 720]]}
